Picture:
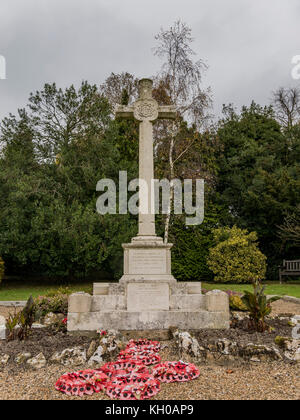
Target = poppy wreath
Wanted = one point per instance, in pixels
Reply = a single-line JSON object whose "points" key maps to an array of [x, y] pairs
{"points": [[144, 356], [144, 351], [144, 345], [118, 368], [175, 372], [82, 382], [128, 378], [133, 386]]}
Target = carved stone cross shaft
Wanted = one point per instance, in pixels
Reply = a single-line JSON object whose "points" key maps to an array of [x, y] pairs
{"points": [[146, 110]]}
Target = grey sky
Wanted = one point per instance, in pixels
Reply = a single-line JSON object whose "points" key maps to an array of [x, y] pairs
{"points": [[248, 44]]}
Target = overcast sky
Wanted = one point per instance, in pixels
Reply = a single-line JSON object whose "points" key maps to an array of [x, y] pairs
{"points": [[247, 44]]}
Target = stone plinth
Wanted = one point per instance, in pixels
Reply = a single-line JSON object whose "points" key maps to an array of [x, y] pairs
{"points": [[147, 259], [149, 306]]}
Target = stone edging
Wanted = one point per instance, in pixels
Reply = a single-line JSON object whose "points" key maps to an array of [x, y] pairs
{"points": [[287, 298], [292, 299], [9, 303]]}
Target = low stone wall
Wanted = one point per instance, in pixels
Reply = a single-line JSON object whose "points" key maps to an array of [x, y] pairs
{"points": [[224, 351]]}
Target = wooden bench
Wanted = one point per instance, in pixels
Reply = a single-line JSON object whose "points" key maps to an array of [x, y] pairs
{"points": [[289, 268]]}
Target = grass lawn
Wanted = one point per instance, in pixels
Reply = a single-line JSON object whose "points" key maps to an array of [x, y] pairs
{"points": [[18, 291], [272, 288]]}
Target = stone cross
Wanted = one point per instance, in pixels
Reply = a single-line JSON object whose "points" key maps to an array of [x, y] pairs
{"points": [[146, 110]]}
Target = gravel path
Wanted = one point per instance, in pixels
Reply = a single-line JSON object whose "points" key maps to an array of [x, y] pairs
{"points": [[281, 307], [4, 311], [273, 381]]}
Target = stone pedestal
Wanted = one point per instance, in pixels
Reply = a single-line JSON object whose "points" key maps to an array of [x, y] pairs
{"points": [[148, 297], [147, 259]]}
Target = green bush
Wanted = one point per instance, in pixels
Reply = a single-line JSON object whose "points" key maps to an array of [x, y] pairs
{"points": [[56, 304], [1, 269], [236, 303], [62, 290], [236, 258]]}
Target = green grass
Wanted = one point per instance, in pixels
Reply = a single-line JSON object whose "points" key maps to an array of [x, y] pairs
{"points": [[17, 291], [272, 288]]}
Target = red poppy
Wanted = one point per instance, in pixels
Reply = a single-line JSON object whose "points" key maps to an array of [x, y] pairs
{"points": [[128, 378]]}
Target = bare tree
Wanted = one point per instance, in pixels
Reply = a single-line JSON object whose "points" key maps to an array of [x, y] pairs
{"points": [[286, 102], [290, 230], [114, 86], [180, 78]]}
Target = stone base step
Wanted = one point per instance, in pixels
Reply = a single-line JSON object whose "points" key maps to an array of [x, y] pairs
{"points": [[148, 320], [118, 302]]}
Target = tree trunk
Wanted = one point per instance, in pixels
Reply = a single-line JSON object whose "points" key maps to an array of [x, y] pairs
{"points": [[171, 198]]}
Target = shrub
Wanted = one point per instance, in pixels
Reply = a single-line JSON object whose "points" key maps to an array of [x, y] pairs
{"points": [[62, 290], [56, 304], [236, 303], [1, 269], [236, 258]]}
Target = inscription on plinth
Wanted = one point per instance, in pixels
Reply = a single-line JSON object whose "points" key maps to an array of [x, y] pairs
{"points": [[147, 261], [148, 297]]}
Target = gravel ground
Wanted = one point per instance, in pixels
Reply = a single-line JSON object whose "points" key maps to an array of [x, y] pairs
{"points": [[4, 310], [265, 381], [273, 381], [281, 306]]}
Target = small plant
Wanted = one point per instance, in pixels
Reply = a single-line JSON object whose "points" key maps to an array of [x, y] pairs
{"points": [[102, 334], [60, 326], [20, 323], [258, 305], [11, 323], [26, 319]]}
